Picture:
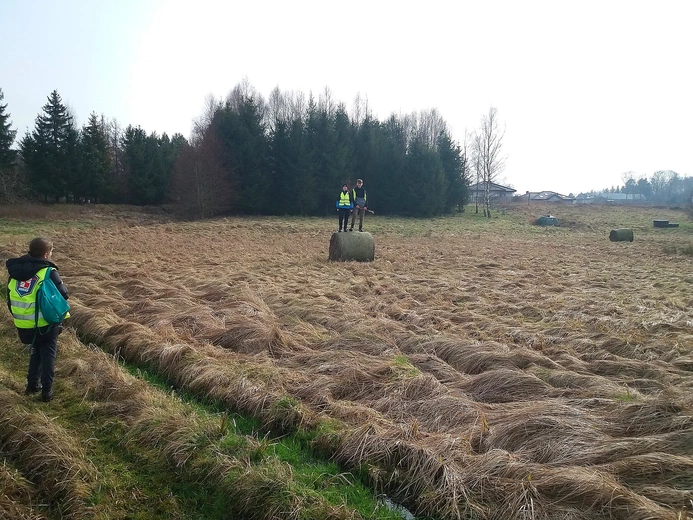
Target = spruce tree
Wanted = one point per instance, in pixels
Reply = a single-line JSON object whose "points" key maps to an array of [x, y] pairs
{"points": [[138, 167], [240, 128], [455, 166], [284, 158], [93, 182], [50, 151], [7, 135], [424, 181]]}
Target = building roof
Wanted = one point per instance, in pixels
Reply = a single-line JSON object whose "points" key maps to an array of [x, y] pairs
{"points": [[616, 196], [549, 195], [481, 186]]}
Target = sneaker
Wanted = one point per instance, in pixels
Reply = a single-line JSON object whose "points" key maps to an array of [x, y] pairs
{"points": [[32, 389], [339, 231], [360, 230], [47, 396]]}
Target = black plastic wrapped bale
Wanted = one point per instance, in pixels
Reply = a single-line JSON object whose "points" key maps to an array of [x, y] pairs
{"points": [[352, 245], [547, 220], [621, 235], [660, 223]]}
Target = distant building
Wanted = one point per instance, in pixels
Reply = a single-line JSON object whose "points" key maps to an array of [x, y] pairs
{"points": [[550, 196], [496, 192], [611, 198]]}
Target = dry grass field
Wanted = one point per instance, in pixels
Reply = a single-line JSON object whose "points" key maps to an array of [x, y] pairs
{"points": [[477, 369]]}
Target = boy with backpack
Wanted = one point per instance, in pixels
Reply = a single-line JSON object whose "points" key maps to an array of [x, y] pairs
{"points": [[27, 275]]}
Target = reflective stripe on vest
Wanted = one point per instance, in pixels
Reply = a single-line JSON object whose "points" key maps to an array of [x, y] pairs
{"points": [[23, 301], [344, 201]]}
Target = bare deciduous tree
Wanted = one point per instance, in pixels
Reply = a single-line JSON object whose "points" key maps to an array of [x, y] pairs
{"points": [[361, 111], [13, 185], [201, 183], [327, 103], [488, 159], [202, 123], [431, 126]]}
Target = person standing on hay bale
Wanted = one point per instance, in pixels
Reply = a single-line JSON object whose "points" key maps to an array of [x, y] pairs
{"points": [[344, 204], [26, 275], [360, 208]]}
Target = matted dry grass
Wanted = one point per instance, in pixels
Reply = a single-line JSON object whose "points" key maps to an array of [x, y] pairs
{"points": [[479, 369], [46, 451]]}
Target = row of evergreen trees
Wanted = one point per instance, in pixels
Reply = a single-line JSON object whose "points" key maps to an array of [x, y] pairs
{"points": [[97, 163], [289, 154]]}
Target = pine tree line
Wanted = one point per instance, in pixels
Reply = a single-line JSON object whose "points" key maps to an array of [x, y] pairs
{"points": [[289, 154], [98, 163]]}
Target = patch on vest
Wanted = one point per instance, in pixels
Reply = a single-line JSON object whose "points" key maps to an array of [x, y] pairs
{"points": [[25, 287]]}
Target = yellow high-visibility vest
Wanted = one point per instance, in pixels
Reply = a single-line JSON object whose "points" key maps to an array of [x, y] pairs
{"points": [[22, 295], [344, 201]]}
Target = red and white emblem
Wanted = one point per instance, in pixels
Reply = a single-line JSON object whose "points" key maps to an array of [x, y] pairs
{"points": [[25, 287]]}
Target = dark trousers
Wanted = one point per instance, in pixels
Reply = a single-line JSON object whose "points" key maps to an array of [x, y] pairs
{"points": [[43, 354], [344, 218], [360, 212]]}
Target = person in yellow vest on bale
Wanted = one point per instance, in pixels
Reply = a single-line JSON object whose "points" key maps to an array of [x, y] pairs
{"points": [[344, 204], [26, 275]]}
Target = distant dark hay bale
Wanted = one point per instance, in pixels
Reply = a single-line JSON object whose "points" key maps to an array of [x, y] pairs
{"points": [[621, 235], [547, 220], [357, 246], [660, 223]]}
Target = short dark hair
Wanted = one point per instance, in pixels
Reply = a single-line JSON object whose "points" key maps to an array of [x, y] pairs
{"points": [[40, 246]]}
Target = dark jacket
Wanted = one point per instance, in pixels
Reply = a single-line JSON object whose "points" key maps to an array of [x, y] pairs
{"points": [[26, 266]]}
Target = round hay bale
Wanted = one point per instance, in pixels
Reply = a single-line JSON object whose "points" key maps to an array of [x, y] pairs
{"points": [[660, 223], [621, 235], [547, 220], [357, 246]]}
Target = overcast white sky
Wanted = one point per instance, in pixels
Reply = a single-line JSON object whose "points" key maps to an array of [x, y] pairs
{"points": [[586, 90]]}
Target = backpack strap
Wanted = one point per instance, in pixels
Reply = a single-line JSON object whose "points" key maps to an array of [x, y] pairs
{"points": [[37, 305]]}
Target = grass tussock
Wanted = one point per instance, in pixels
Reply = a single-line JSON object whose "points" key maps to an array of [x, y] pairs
{"points": [[47, 454], [17, 496]]}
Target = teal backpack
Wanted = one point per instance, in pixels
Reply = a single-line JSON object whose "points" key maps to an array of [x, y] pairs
{"points": [[49, 302]]}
